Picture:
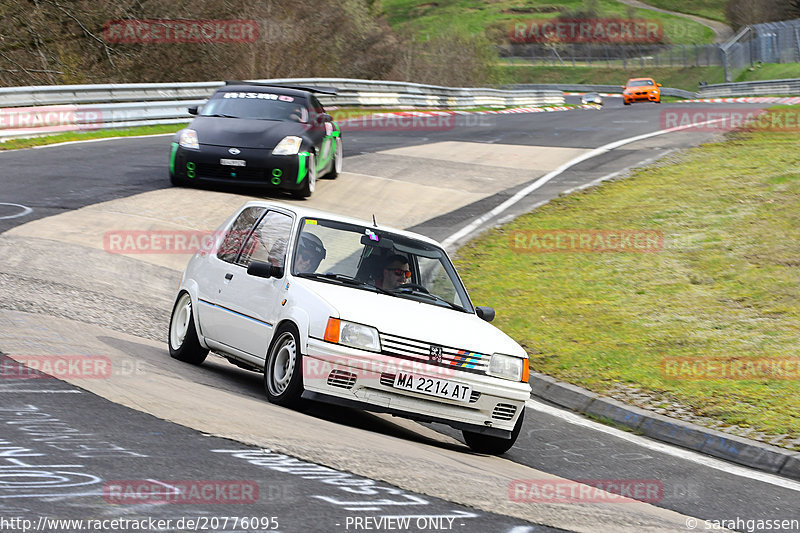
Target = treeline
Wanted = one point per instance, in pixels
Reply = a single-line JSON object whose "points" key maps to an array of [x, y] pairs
{"points": [[45, 42], [743, 12]]}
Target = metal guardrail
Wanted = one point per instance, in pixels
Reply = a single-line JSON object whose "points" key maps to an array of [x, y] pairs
{"points": [[26, 111], [790, 87], [582, 88]]}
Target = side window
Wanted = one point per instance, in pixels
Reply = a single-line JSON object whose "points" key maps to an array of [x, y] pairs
{"points": [[237, 233], [268, 241]]}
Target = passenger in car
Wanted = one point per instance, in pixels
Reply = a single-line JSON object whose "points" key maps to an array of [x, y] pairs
{"points": [[310, 253]]}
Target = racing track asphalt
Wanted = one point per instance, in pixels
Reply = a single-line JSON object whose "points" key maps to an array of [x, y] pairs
{"points": [[60, 179]]}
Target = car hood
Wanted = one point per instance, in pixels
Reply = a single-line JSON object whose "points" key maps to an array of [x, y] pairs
{"points": [[413, 319], [244, 133]]}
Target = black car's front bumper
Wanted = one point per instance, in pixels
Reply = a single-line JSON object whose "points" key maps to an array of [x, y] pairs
{"points": [[260, 169]]}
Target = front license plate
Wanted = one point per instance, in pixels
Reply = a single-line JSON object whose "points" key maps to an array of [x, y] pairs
{"points": [[233, 162], [441, 388]]}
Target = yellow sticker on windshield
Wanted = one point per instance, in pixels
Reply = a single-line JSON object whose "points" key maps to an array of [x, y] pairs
{"points": [[309, 221]]}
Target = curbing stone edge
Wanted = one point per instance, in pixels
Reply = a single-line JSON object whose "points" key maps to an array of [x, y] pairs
{"points": [[733, 448]]}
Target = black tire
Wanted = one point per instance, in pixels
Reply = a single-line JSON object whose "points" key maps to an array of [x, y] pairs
{"points": [[626, 103], [183, 343], [310, 181], [493, 445], [283, 376], [658, 101], [336, 166], [176, 181]]}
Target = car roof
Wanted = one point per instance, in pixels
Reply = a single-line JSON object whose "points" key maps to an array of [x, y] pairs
{"points": [[640, 79], [307, 212]]}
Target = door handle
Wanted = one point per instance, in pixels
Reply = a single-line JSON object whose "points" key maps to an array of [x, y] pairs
{"points": [[229, 276]]}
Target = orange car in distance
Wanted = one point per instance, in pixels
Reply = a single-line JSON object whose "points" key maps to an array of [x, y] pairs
{"points": [[641, 90]]}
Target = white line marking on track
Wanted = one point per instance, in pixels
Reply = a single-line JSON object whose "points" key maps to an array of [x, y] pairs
{"points": [[667, 449], [98, 140], [475, 224], [25, 211], [7, 391]]}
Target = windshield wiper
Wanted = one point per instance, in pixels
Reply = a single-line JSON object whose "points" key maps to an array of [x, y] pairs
{"points": [[219, 115], [425, 294]]}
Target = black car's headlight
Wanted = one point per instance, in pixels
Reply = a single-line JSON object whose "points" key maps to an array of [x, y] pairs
{"points": [[289, 145], [188, 139]]}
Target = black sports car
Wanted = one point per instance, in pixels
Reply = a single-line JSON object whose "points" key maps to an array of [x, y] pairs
{"points": [[273, 136]]}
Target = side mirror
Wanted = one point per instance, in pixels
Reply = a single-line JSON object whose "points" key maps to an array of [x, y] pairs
{"points": [[658, 84], [260, 269], [192, 110], [485, 313], [324, 117]]}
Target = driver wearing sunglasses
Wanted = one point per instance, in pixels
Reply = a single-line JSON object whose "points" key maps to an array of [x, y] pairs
{"points": [[395, 273]]}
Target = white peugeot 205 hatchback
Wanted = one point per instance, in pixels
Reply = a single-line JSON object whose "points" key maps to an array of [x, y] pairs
{"points": [[348, 312]]}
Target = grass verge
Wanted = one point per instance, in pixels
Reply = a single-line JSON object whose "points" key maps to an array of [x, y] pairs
{"points": [[725, 288], [710, 9], [425, 19], [16, 144], [686, 78]]}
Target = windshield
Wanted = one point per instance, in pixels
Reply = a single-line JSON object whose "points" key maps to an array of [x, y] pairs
{"points": [[259, 106], [639, 83], [375, 260]]}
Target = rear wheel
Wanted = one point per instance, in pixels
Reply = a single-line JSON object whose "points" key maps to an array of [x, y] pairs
{"points": [[283, 376], [491, 445], [310, 181], [183, 342]]}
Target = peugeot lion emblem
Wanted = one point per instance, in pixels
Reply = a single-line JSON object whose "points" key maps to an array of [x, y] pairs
{"points": [[234, 151], [436, 353]]}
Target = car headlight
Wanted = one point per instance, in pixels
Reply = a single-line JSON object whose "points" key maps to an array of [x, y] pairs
{"points": [[352, 334], [289, 145], [508, 367], [188, 139]]}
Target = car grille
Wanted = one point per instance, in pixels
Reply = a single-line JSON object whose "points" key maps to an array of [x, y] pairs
{"points": [[340, 378], [387, 379], [452, 358], [205, 170], [504, 411]]}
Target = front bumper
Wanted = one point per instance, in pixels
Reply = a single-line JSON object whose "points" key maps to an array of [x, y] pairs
{"points": [[262, 169], [642, 97], [348, 376]]}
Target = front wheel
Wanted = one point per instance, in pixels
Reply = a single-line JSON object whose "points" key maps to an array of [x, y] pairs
{"points": [[488, 444], [183, 342], [283, 377], [310, 181]]}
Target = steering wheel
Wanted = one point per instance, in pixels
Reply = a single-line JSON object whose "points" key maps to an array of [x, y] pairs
{"points": [[413, 286]]}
